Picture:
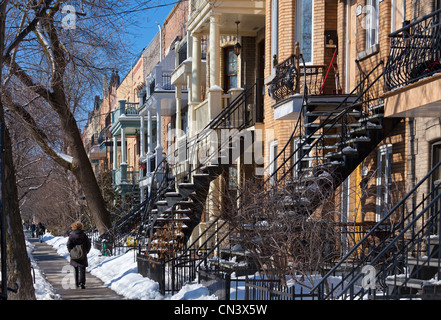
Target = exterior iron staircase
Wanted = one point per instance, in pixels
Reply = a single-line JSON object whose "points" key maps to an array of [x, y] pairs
{"points": [[336, 138], [178, 203], [404, 262]]}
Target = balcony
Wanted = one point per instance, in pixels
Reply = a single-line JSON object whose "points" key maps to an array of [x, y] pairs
{"points": [[287, 88], [412, 75], [160, 91], [124, 180], [125, 117]]}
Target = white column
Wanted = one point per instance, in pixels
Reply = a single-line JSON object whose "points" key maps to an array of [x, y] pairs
{"points": [[215, 91], [149, 140], [141, 138], [115, 152], [158, 133], [196, 68], [178, 95], [195, 82], [123, 147], [214, 50]]}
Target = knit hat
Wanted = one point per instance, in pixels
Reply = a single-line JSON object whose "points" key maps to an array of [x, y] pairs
{"points": [[77, 225]]}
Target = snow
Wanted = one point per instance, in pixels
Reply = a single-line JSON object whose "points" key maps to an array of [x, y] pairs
{"points": [[64, 156], [119, 273]]}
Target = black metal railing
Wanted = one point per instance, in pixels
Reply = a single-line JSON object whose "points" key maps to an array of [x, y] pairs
{"points": [[414, 222], [415, 52], [290, 75]]}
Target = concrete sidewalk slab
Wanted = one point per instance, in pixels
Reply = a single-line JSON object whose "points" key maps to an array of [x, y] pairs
{"points": [[60, 274]]}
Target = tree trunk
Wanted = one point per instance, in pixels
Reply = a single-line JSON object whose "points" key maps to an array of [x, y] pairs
{"points": [[18, 263], [82, 170], [81, 166]]}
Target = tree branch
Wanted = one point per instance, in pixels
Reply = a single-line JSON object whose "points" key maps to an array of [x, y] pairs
{"points": [[38, 134]]}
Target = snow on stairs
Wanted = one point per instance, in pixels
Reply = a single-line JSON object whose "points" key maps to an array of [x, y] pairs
{"points": [[336, 140], [182, 209], [417, 282]]}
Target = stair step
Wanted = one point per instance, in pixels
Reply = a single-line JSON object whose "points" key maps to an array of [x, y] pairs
{"points": [[340, 154], [432, 262], [327, 136], [401, 282], [372, 117], [353, 113], [324, 166], [335, 125], [365, 128], [185, 189], [172, 198]]}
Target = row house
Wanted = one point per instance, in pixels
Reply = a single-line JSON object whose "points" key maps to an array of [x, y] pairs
{"points": [[370, 130], [96, 134], [340, 96]]}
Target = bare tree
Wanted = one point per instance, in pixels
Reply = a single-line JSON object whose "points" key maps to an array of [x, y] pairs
{"points": [[66, 70], [49, 64]]}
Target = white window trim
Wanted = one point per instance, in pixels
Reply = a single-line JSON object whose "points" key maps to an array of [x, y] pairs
{"points": [[273, 164], [383, 180], [274, 32], [372, 21]]}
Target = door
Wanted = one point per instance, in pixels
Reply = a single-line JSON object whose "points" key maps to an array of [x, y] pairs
{"points": [[231, 69]]}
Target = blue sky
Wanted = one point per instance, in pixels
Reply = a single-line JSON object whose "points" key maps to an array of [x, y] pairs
{"points": [[148, 28]]}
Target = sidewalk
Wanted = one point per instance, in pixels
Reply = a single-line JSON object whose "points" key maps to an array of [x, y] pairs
{"points": [[60, 274]]}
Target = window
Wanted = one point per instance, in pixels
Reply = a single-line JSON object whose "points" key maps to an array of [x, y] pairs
{"points": [[274, 31], [230, 69], [372, 22], [384, 177], [304, 23]]}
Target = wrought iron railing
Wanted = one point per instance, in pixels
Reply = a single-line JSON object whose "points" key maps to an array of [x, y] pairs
{"points": [[415, 52], [413, 223], [289, 77]]}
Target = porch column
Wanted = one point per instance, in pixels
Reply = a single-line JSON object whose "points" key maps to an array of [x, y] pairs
{"points": [[141, 138], [195, 81], [149, 140], [123, 164], [123, 147], [158, 133], [115, 153], [178, 95], [214, 50]]}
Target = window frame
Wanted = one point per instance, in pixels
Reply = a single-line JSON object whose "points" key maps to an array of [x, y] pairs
{"points": [[300, 31], [372, 23]]}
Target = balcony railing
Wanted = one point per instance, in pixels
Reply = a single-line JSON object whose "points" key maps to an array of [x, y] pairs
{"points": [[415, 52], [290, 74], [122, 176], [125, 108]]}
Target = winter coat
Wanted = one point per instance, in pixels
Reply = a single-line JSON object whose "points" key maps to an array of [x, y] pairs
{"points": [[40, 229], [79, 237]]}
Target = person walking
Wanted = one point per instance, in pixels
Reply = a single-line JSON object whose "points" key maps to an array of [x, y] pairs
{"points": [[79, 237], [33, 230], [41, 229]]}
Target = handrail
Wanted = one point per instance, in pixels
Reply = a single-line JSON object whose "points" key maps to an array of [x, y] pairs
{"points": [[293, 134], [410, 25], [376, 227]]}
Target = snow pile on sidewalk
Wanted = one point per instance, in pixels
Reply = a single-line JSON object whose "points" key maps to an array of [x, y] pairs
{"points": [[43, 289], [119, 273]]}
